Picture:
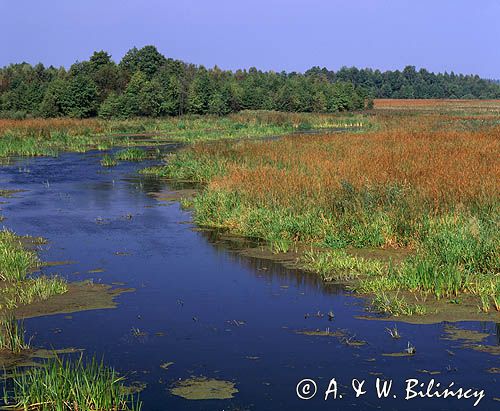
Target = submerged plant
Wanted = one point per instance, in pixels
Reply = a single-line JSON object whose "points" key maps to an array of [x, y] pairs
{"points": [[394, 332]]}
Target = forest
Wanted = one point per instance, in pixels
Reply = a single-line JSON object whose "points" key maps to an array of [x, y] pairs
{"points": [[412, 84], [146, 83]]}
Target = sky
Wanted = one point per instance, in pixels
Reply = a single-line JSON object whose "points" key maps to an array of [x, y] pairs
{"points": [[292, 35]]}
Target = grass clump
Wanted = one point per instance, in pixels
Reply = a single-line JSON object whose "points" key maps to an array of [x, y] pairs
{"points": [[16, 287], [15, 260], [396, 305], [188, 167], [338, 265], [31, 290], [131, 154], [12, 335], [65, 385], [108, 161]]}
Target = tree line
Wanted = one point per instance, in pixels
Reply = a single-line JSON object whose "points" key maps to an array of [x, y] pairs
{"points": [[146, 83], [412, 84]]}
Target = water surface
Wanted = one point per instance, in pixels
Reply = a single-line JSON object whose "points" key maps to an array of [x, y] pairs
{"points": [[208, 309]]}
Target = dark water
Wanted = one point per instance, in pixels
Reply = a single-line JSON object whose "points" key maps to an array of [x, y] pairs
{"points": [[197, 291]]}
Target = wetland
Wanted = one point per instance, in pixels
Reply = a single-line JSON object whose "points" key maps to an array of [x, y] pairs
{"points": [[201, 298]]}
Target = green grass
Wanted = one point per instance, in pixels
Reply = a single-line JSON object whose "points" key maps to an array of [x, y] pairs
{"points": [[185, 166], [31, 290], [15, 260], [131, 154], [396, 305], [338, 265], [48, 138], [16, 263], [12, 334], [108, 161], [61, 384], [455, 250]]}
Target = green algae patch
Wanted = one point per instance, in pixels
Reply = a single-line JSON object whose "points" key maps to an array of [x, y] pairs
{"points": [[469, 336], [175, 195], [321, 333], [96, 270], [79, 297], [429, 372], [470, 339], [398, 354], [202, 388], [28, 358], [56, 263]]}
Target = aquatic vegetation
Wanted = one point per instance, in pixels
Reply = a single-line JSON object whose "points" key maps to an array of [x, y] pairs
{"points": [[396, 305], [12, 334], [423, 182], [410, 349], [338, 265], [64, 384], [108, 161], [15, 260], [166, 365], [202, 388], [394, 332], [131, 154], [31, 290], [48, 137]]}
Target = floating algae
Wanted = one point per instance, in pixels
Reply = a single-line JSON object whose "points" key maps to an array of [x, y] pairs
{"points": [[321, 333], [202, 388], [470, 336], [28, 357], [166, 365], [79, 297], [470, 339], [398, 354]]}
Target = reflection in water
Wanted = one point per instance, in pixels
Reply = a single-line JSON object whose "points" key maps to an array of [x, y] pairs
{"points": [[274, 267]]}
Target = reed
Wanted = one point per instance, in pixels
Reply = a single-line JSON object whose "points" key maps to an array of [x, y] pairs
{"points": [[12, 334], [62, 384]]}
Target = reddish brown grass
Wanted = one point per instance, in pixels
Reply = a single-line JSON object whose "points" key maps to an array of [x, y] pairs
{"points": [[44, 127], [440, 166]]}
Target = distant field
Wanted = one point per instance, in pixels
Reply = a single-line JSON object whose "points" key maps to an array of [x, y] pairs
{"points": [[491, 107]]}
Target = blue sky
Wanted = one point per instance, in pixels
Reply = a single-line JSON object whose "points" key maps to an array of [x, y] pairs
{"points": [[440, 35]]}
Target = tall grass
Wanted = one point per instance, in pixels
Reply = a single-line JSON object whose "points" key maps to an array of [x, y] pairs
{"points": [[12, 334], [131, 154], [16, 263], [65, 385], [15, 260], [414, 182], [31, 290], [48, 137]]}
